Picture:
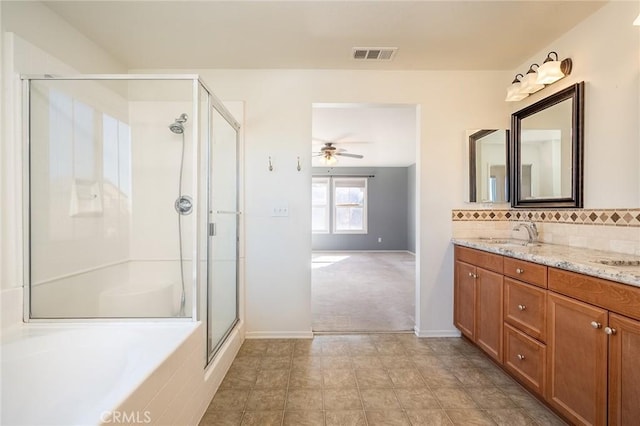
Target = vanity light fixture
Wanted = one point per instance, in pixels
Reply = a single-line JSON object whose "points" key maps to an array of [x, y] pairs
{"points": [[513, 91], [530, 83], [537, 78], [553, 70]]}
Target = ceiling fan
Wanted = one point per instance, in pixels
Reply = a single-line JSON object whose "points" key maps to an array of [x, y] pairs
{"points": [[329, 153]]}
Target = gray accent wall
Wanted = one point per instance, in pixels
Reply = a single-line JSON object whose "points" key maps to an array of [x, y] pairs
{"points": [[411, 208], [387, 216]]}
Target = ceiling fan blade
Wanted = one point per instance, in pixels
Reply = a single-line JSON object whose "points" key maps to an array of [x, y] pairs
{"points": [[344, 154]]}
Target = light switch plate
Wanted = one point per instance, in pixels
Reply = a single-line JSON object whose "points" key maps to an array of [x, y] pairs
{"points": [[281, 210]]}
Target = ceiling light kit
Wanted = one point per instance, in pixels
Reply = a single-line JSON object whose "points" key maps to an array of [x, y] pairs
{"points": [[551, 70], [329, 152]]}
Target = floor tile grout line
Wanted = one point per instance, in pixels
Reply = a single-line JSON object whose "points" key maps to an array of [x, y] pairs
{"points": [[452, 348]]}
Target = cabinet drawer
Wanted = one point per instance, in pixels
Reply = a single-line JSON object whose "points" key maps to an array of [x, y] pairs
{"points": [[525, 308], [490, 261], [522, 270], [616, 297], [525, 358]]}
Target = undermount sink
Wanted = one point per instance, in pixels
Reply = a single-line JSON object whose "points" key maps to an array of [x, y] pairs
{"points": [[509, 242], [617, 262]]}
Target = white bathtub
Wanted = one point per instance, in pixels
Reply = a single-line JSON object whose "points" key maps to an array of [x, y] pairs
{"points": [[77, 375]]}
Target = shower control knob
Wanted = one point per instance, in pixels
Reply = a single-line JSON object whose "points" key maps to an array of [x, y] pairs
{"points": [[184, 205]]}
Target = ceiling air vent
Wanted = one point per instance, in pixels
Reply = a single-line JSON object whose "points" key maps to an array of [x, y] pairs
{"points": [[374, 53]]}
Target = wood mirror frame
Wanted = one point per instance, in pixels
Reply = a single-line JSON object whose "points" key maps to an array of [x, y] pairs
{"points": [[575, 93]]}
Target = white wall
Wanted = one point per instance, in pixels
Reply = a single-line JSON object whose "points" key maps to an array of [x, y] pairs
{"points": [[605, 50], [278, 124]]}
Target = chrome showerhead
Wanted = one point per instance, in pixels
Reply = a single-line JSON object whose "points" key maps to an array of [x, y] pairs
{"points": [[177, 126]]}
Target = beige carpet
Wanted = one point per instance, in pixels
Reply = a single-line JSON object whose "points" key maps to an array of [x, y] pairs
{"points": [[363, 291]]}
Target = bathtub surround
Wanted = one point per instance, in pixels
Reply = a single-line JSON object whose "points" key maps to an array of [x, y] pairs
{"points": [[174, 392], [615, 230], [149, 371]]}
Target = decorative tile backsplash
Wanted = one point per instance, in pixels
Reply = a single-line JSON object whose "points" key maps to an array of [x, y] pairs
{"points": [[611, 217], [616, 230]]}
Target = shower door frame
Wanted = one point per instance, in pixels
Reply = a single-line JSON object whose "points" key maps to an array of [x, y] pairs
{"points": [[216, 105], [198, 139]]}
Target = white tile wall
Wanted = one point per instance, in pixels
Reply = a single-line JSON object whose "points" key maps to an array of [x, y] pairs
{"points": [[180, 390]]}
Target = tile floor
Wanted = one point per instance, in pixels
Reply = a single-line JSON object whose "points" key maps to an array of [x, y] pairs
{"points": [[370, 379], [363, 291]]}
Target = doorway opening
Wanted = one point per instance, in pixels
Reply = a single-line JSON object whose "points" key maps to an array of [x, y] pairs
{"points": [[364, 217]]}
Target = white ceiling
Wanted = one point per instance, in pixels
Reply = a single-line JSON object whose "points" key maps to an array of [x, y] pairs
{"points": [[460, 35]]}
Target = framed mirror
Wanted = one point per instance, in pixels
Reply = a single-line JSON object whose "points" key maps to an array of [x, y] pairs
{"points": [[489, 166], [547, 151]]}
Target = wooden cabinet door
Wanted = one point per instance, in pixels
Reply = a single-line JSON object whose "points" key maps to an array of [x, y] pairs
{"points": [[464, 295], [624, 370], [489, 308], [577, 360]]}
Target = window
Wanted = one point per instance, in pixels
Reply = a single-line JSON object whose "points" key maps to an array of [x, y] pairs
{"points": [[350, 208], [341, 202], [320, 205]]}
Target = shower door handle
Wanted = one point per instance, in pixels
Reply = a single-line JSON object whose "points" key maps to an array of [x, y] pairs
{"points": [[212, 229], [227, 212]]}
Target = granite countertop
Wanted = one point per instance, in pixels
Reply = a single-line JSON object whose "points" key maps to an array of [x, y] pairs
{"points": [[597, 263]]}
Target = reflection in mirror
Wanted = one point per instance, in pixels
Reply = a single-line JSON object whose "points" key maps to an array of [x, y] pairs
{"points": [[488, 168], [547, 151]]}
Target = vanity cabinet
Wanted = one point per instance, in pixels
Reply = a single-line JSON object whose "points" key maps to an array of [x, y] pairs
{"points": [[570, 338], [577, 360], [592, 347], [478, 299], [624, 370]]}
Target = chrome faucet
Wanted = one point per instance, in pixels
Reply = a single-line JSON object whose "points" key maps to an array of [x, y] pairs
{"points": [[532, 230]]}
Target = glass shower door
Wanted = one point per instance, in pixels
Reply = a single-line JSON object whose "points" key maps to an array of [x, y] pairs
{"points": [[222, 281]]}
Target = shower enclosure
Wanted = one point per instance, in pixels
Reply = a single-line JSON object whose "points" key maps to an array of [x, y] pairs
{"points": [[131, 202]]}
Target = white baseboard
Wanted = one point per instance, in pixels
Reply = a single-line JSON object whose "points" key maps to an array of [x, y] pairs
{"points": [[279, 335], [437, 333]]}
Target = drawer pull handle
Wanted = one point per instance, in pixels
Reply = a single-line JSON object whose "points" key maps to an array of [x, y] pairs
{"points": [[519, 271], [520, 357], [610, 331], [596, 325], [522, 307]]}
